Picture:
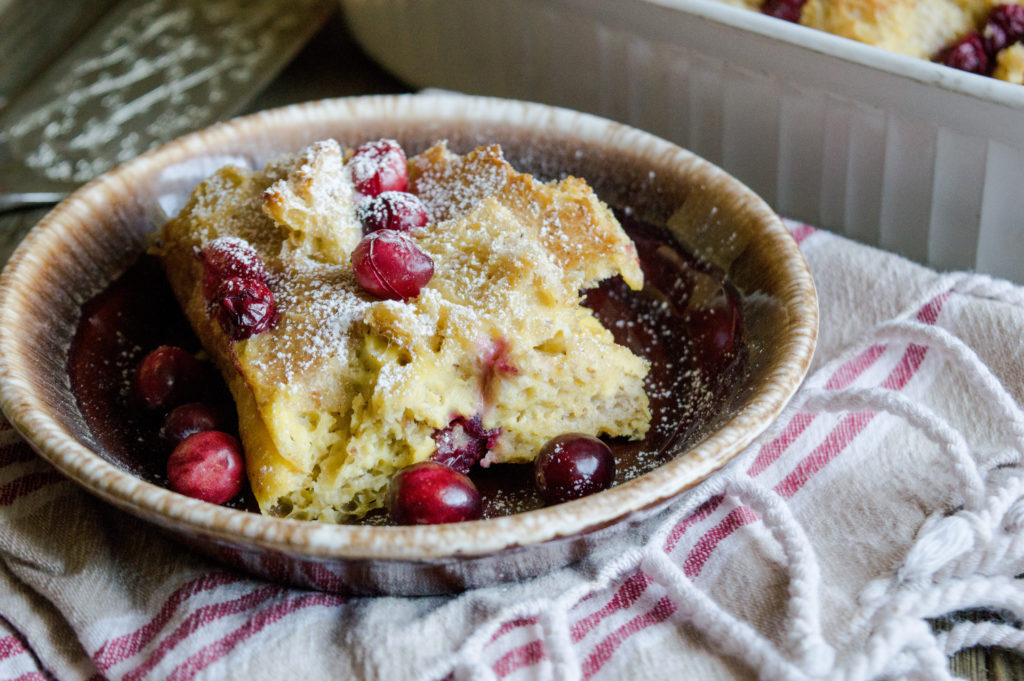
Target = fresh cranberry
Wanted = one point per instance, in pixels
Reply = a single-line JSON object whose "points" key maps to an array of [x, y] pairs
{"points": [[713, 331], [207, 465], [166, 377], [462, 443], [390, 265], [788, 10], [228, 257], [1003, 27], [428, 493], [392, 210], [189, 418], [379, 167], [244, 307], [573, 465], [967, 54]]}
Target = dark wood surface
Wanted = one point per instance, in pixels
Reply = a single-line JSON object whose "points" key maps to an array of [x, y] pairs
{"points": [[332, 65]]}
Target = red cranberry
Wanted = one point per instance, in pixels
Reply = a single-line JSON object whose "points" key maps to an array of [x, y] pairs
{"points": [[428, 493], [462, 443], [788, 10], [967, 54], [244, 307], [208, 466], [390, 265], [573, 465], [228, 257], [392, 210], [713, 331], [1003, 27], [189, 418], [379, 167], [166, 377]]}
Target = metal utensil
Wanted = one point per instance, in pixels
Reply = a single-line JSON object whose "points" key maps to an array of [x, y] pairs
{"points": [[144, 73], [33, 36]]}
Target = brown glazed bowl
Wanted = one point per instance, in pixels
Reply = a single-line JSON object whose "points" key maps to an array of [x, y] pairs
{"points": [[95, 234]]}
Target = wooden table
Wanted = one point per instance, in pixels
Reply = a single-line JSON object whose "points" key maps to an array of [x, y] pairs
{"points": [[332, 65]]}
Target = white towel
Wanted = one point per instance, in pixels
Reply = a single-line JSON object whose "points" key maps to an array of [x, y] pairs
{"points": [[890, 492]]}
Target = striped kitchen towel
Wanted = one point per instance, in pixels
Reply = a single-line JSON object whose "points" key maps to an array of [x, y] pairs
{"points": [[890, 492]]}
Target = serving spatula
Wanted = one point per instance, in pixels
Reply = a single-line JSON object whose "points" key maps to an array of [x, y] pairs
{"points": [[144, 73]]}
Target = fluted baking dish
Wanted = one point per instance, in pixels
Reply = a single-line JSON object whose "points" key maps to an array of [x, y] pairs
{"points": [[898, 152]]}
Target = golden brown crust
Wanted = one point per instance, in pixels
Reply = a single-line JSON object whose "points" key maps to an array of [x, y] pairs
{"points": [[918, 28], [1010, 64], [566, 215], [313, 201]]}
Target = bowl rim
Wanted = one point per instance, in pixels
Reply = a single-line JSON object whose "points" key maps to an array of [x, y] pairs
{"points": [[25, 410]]}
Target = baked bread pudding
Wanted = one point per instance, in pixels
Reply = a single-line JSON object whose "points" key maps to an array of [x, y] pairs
{"points": [[369, 313], [980, 36]]}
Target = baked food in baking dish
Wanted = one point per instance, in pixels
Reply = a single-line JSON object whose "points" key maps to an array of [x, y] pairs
{"points": [[982, 36], [337, 388]]}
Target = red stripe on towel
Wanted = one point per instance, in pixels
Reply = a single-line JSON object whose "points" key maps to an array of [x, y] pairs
{"points": [[199, 619], [702, 512], [123, 647], [843, 377], [513, 624], [529, 654], [705, 546], [801, 232], [27, 484], [604, 650], [10, 646], [255, 624], [627, 594], [842, 435]]}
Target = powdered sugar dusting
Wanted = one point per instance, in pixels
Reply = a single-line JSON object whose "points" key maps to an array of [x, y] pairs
{"points": [[239, 249], [450, 189], [352, 386], [319, 307]]}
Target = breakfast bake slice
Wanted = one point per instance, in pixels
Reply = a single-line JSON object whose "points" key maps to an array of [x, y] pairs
{"points": [[480, 362], [980, 36]]}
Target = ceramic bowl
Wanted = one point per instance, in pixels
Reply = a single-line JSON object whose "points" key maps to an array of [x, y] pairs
{"points": [[95, 234]]}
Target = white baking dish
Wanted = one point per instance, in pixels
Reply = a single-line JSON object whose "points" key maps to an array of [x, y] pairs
{"points": [[898, 152]]}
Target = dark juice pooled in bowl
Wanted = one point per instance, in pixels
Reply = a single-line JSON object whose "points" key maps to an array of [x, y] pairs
{"points": [[686, 322], [120, 326]]}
